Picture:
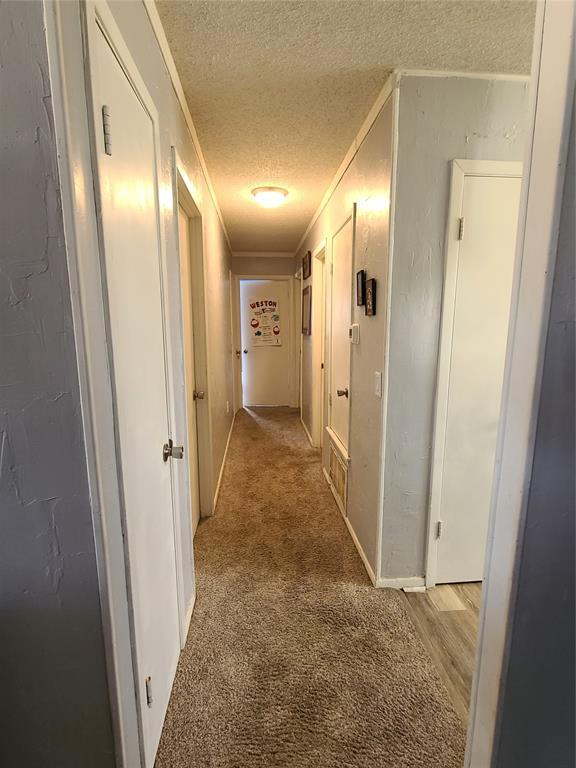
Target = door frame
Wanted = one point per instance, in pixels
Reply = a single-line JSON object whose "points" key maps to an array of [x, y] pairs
{"points": [[344, 450], [319, 269], [460, 170], [70, 34], [99, 19], [237, 335], [185, 193]]}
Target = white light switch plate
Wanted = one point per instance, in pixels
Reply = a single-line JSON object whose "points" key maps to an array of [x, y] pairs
{"points": [[378, 383], [355, 333]]}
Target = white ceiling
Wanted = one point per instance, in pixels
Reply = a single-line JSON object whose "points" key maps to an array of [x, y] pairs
{"points": [[278, 89]]}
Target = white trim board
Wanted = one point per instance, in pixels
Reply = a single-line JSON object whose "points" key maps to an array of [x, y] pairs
{"points": [[162, 40], [386, 367], [409, 583], [460, 170], [222, 466]]}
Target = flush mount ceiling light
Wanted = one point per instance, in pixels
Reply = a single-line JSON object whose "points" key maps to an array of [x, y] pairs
{"points": [[269, 197]]}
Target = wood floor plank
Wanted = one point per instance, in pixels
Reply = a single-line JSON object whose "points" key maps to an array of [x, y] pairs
{"points": [[446, 618]]}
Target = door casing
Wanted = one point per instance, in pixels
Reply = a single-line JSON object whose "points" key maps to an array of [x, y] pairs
{"points": [[237, 336]]}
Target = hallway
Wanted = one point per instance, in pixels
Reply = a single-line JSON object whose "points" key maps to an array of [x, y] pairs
{"points": [[293, 658]]}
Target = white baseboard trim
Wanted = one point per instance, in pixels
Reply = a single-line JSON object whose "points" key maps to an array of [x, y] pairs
{"points": [[308, 435], [408, 581], [361, 552], [351, 531], [217, 492]]}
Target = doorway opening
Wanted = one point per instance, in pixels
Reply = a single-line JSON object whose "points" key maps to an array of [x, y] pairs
{"points": [[265, 341]]}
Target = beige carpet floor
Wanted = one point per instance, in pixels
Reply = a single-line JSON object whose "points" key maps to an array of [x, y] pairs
{"points": [[293, 658]]}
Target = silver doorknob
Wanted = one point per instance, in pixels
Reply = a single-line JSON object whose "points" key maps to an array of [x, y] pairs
{"points": [[171, 451], [342, 392], [198, 395]]}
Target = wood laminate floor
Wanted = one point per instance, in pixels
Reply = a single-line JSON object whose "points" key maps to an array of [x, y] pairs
{"points": [[446, 618]]}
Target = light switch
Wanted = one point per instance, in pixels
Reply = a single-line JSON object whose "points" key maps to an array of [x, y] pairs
{"points": [[354, 333], [378, 383]]}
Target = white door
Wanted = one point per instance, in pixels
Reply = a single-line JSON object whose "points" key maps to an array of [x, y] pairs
{"points": [[188, 340], [265, 311], [476, 337], [342, 246], [128, 194]]}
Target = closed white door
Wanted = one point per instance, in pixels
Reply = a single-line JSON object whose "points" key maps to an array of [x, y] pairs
{"points": [[341, 311], [188, 340], [265, 312], [128, 194], [477, 338]]}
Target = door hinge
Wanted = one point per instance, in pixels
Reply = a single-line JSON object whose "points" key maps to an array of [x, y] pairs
{"points": [[321, 366], [149, 698], [439, 529], [107, 129], [461, 228]]}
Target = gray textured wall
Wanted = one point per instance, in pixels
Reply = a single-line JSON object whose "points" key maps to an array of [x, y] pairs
{"points": [[537, 709], [367, 178], [440, 119], [54, 708]]}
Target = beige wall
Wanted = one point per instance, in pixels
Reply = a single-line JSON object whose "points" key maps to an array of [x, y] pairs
{"points": [[367, 183], [261, 264]]}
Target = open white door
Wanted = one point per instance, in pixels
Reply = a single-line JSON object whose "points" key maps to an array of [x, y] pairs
{"points": [[341, 311], [130, 229], [189, 370], [476, 307]]}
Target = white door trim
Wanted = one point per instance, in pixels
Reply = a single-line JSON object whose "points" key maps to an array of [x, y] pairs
{"points": [[460, 170], [199, 312], [292, 345], [552, 92], [319, 266]]}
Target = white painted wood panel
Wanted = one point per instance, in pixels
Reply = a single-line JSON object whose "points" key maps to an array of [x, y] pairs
{"points": [[130, 223], [341, 312], [475, 335]]}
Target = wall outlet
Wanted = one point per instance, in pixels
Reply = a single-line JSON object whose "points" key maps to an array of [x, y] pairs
{"points": [[378, 383]]}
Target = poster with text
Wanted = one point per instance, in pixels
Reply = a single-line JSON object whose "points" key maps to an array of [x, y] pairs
{"points": [[265, 328]]}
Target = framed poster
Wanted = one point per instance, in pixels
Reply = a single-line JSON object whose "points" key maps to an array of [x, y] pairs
{"points": [[307, 311], [371, 296], [306, 265], [360, 287], [265, 325]]}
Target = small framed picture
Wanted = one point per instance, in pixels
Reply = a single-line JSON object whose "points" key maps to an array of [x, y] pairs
{"points": [[306, 265], [307, 311], [361, 287], [371, 296]]}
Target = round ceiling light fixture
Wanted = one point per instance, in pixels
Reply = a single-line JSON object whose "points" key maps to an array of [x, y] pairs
{"points": [[269, 197]]}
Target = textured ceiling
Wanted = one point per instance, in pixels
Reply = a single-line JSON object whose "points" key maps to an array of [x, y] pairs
{"points": [[278, 89]]}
